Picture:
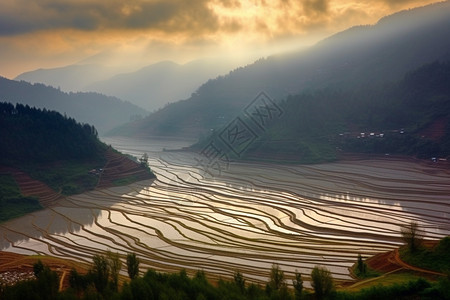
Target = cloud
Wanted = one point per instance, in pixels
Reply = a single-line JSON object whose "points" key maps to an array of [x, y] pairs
{"points": [[19, 17], [315, 6], [48, 33], [193, 17]]}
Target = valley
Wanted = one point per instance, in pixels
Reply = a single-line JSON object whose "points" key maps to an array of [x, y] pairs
{"points": [[246, 218]]}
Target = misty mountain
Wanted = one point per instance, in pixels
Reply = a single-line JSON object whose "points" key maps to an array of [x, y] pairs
{"points": [[73, 78], [352, 59], [158, 84], [150, 87], [410, 117], [101, 111]]}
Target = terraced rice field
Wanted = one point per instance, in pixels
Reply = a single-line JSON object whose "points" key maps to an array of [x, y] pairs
{"points": [[249, 217], [31, 187]]}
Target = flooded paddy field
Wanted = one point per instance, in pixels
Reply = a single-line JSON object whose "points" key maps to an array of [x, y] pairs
{"points": [[246, 218]]}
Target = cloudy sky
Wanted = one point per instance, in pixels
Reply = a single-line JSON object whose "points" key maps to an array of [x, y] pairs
{"points": [[51, 33]]}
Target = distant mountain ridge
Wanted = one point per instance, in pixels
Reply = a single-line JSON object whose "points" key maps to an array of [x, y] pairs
{"points": [[362, 55], [72, 78], [155, 85], [150, 87], [95, 109]]}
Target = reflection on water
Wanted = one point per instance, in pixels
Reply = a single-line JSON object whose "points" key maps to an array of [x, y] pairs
{"points": [[248, 218]]}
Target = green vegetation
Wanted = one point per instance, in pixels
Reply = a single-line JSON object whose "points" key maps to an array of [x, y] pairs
{"points": [[69, 177], [102, 282], [50, 147], [31, 135], [12, 203], [412, 236], [362, 270], [322, 283], [45, 286], [297, 283], [132, 265], [435, 258], [321, 122], [124, 181], [409, 117], [417, 289]]}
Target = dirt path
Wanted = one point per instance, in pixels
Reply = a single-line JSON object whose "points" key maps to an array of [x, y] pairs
{"points": [[389, 262], [404, 265]]}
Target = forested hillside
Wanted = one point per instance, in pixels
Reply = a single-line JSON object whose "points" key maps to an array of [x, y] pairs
{"points": [[45, 155], [31, 135], [410, 117], [101, 111]]}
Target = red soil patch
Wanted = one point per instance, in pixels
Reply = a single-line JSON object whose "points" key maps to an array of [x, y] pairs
{"points": [[390, 261], [383, 262], [119, 166], [32, 187], [436, 130]]}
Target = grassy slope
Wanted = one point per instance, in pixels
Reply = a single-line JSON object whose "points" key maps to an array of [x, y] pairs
{"points": [[68, 177], [12, 203], [436, 258]]}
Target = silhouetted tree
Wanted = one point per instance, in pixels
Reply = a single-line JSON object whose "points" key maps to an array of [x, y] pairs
{"points": [[322, 282], [277, 287], [239, 281], [38, 267], [132, 265], [276, 277], [100, 273], [114, 265], [361, 266], [298, 285], [412, 236]]}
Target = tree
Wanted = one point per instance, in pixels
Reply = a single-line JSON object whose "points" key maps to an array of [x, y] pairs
{"points": [[412, 236], [298, 285], [276, 278], [132, 265], [47, 282], [115, 265], [361, 265], [100, 273], [38, 267], [322, 282], [277, 287], [239, 281]]}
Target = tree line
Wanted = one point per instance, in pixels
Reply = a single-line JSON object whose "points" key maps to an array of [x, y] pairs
{"points": [[35, 135], [102, 281]]}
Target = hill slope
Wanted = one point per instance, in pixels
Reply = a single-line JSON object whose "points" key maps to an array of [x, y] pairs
{"points": [[411, 117], [352, 59], [44, 155], [101, 111]]}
